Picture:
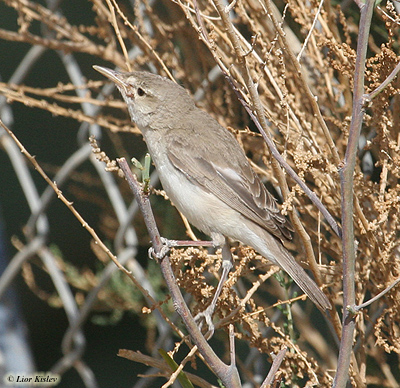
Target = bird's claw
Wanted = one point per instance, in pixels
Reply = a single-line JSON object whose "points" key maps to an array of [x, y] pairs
{"points": [[206, 316], [163, 252]]}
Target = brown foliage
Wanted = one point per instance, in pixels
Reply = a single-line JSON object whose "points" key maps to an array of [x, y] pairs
{"points": [[307, 103]]}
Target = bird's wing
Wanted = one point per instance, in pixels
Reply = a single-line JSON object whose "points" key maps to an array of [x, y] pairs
{"points": [[234, 182]]}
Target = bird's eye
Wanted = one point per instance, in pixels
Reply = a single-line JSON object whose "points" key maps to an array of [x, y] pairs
{"points": [[140, 92]]}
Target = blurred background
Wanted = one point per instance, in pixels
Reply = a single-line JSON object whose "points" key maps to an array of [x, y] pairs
{"points": [[66, 308]]}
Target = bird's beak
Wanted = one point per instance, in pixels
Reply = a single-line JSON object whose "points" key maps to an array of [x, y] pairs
{"points": [[115, 76]]}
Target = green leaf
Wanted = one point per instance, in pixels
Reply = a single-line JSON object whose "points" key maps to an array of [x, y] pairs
{"points": [[182, 378]]}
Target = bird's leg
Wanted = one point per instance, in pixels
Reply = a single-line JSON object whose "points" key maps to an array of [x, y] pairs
{"points": [[227, 263], [187, 243], [167, 244]]}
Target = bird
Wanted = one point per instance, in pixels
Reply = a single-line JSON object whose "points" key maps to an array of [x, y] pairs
{"points": [[207, 176]]}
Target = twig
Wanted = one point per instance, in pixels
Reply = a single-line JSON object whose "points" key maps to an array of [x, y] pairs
{"points": [[58, 110], [118, 33], [384, 84], [347, 182], [311, 30], [64, 45], [109, 183], [232, 351], [274, 368], [174, 375], [275, 153], [376, 297]]}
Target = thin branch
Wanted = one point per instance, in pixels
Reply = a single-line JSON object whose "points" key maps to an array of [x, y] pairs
{"points": [[88, 47], [118, 33], [275, 153], [232, 351], [376, 297], [274, 369], [111, 123], [174, 375], [311, 30], [347, 188], [384, 84]]}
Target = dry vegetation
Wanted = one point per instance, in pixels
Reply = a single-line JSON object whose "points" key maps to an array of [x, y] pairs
{"points": [[304, 83]]}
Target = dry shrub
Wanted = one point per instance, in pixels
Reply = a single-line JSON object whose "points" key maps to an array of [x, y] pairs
{"points": [[307, 102]]}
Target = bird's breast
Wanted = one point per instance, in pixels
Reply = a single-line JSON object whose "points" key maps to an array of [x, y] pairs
{"points": [[202, 208]]}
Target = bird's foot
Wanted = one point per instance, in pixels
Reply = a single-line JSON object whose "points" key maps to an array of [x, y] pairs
{"points": [[206, 316], [166, 246]]}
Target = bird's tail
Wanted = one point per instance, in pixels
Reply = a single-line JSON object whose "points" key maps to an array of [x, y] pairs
{"points": [[300, 276], [274, 250]]}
